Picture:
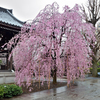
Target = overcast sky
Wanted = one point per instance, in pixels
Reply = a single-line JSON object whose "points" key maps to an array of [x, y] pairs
{"points": [[28, 9]]}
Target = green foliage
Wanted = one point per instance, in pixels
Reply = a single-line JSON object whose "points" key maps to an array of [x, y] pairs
{"points": [[16, 90], [98, 63], [9, 90], [1, 92], [98, 70], [90, 70]]}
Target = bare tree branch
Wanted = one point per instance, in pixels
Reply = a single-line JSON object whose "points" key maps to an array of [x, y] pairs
{"points": [[93, 11]]}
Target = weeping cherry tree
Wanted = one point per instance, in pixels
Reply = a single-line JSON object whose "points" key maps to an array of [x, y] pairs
{"points": [[38, 47]]}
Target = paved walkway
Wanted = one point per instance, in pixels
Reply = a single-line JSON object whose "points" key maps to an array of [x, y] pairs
{"points": [[87, 89]]}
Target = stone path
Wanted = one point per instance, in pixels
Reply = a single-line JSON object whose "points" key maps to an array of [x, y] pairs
{"points": [[87, 89]]}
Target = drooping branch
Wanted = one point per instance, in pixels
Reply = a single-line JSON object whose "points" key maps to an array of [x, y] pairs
{"points": [[43, 45]]}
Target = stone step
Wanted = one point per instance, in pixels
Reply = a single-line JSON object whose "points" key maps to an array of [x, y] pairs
{"points": [[5, 71], [7, 77], [6, 74]]}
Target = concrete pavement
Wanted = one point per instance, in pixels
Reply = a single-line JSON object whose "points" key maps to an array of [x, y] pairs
{"points": [[87, 89]]}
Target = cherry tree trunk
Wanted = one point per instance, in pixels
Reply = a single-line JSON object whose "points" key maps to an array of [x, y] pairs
{"points": [[55, 73], [54, 77]]}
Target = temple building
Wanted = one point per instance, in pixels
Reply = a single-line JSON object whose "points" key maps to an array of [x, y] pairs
{"points": [[9, 26]]}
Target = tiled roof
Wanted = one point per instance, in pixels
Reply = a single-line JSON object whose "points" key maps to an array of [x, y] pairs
{"points": [[7, 17]]}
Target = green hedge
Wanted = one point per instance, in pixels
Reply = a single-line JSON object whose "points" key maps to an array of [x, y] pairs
{"points": [[9, 90], [98, 70]]}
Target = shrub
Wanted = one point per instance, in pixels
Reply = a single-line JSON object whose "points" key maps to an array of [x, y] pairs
{"points": [[9, 90], [1, 92], [16, 90]]}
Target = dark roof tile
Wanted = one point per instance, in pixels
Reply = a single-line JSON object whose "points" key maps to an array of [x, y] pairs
{"points": [[7, 17]]}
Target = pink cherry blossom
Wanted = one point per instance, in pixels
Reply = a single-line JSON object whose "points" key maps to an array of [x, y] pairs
{"points": [[53, 41]]}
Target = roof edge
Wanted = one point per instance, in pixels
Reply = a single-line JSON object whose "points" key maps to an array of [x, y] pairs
{"points": [[9, 11], [14, 17]]}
